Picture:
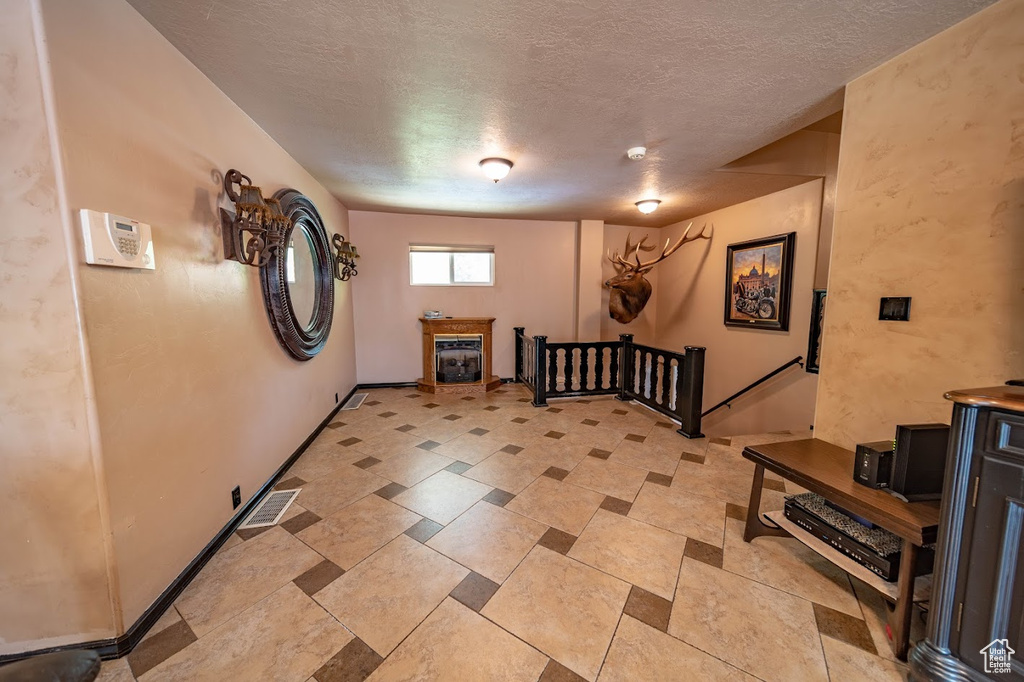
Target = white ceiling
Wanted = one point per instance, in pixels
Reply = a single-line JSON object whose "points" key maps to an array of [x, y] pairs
{"points": [[391, 103]]}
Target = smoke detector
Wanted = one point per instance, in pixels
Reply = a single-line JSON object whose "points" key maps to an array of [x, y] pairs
{"points": [[636, 153]]}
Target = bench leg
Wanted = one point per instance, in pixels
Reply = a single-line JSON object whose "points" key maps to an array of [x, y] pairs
{"points": [[755, 527], [899, 619]]}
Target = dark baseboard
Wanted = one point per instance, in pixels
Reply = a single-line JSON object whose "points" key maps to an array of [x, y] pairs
{"points": [[121, 646], [393, 384]]}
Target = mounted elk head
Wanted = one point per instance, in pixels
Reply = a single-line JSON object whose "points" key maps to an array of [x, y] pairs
{"points": [[630, 290]]}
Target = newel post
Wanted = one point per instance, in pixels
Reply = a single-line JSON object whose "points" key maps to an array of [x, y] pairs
{"points": [[517, 377], [690, 392], [626, 369], [540, 376]]}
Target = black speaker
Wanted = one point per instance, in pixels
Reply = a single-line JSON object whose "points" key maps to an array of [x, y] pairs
{"points": [[873, 464], [919, 461]]}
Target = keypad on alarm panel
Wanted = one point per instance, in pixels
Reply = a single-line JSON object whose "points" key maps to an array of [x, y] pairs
{"points": [[129, 247]]}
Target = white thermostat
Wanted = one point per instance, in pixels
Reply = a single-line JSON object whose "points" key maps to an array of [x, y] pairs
{"points": [[114, 240]]}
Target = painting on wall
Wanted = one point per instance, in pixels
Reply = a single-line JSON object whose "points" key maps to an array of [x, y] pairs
{"points": [[758, 282], [814, 338]]}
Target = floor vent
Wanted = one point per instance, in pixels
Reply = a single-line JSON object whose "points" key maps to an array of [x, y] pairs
{"points": [[355, 401], [270, 510]]}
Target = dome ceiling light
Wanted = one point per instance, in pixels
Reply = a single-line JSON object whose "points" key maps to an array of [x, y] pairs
{"points": [[496, 168], [648, 205]]}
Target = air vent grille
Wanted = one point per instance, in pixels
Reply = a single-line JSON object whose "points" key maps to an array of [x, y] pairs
{"points": [[271, 509], [355, 401]]}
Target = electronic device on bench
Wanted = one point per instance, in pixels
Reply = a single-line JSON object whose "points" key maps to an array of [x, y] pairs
{"points": [[873, 464], [919, 461], [876, 549]]}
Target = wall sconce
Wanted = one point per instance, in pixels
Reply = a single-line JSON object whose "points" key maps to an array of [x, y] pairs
{"points": [[344, 258], [258, 227]]}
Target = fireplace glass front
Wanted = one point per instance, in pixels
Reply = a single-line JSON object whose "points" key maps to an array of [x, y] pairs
{"points": [[458, 358]]}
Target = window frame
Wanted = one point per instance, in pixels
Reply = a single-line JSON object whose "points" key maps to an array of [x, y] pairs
{"points": [[451, 250]]}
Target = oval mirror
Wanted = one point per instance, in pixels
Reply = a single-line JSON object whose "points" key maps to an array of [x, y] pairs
{"points": [[298, 280]]}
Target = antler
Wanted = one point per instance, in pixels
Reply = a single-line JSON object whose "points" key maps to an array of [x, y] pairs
{"points": [[620, 263], [668, 251]]}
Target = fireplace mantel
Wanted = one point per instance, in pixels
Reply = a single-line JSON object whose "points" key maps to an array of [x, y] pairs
{"points": [[460, 326]]}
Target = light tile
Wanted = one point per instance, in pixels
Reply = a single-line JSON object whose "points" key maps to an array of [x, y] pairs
{"points": [[786, 564], [454, 643], [640, 554], [339, 489], [409, 468], [488, 539], [357, 531], [443, 496], [766, 632], [608, 478], [385, 597], [662, 658], [237, 579], [506, 471], [847, 662], [169, 618], [319, 460], [115, 671], [250, 646], [564, 608], [681, 511], [554, 503], [646, 456], [389, 442], [470, 448]]}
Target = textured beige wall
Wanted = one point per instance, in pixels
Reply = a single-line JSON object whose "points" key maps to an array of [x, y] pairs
{"points": [[930, 204], [185, 364], [692, 299], [642, 328], [533, 287], [589, 272], [53, 570]]}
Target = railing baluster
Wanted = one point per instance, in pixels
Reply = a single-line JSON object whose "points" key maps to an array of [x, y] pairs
{"points": [[584, 367], [666, 377], [570, 355], [613, 368], [599, 368], [553, 370]]}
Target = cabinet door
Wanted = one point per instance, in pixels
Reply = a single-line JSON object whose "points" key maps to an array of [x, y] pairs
{"points": [[993, 584]]}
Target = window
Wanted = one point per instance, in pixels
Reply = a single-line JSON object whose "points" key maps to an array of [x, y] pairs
{"points": [[451, 265]]}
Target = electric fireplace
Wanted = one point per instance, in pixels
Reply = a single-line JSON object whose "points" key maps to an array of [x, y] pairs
{"points": [[457, 355]]}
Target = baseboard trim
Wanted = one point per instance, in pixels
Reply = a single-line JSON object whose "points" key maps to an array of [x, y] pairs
{"points": [[116, 647], [411, 384]]}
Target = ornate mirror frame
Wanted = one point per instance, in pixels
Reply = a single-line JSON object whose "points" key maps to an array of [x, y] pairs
{"points": [[301, 341]]}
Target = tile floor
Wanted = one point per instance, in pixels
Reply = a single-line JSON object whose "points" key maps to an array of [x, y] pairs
{"points": [[480, 538]]}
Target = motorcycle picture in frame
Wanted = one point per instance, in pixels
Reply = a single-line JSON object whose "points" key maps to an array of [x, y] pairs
{"points": [[758, 282]]}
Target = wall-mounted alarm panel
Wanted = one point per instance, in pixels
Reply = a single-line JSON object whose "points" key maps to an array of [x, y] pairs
{"points": [[114, 240]]}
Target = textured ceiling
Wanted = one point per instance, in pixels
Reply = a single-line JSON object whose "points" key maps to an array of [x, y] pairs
{"points": [[391, 103]]}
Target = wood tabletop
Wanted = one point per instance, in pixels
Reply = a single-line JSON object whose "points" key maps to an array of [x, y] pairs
{"points": [[827, 470], [998, 397]]}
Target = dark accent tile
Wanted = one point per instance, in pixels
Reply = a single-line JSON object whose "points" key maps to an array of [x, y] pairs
{"points": [[590, 422], [556, 473], [665, 425], [336, 425], [492, 408], [289, 483], [554, 410], [735, 511], [498, 497], [844, 627], [423, 530], [615, 505], [458, 467], [387, 414], [557, 540], [428, 445], [474, 591], [479, 432], [300, 522], [554, 434], [371, 403], [350, 441], [520, 420], [432, 405], [250, 533], [390, 490], [405, 428], [599, 453], [648, 608], [619, 412], [453, 417], [721, 441], [354, 663], [512, 449], [414, 395], [772, 484], [556, 672], [659, 479], [366, 462], [468, 397], [524, 400], [690, 457], [703, 552], [636, 437], [161, 646], [319, 577]]}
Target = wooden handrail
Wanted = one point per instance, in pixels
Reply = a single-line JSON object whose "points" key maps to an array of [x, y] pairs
{"points": [[798, 360]]}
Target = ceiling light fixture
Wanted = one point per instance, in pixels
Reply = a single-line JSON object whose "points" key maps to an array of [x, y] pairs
{"points": [[496, 168], [648, 205]]}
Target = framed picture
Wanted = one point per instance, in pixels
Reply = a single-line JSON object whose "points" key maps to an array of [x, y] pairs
{"points": [[759, 282], [817, 324]]}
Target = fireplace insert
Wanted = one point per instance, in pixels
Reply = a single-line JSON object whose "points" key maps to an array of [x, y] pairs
{"points": [[458, 358]]}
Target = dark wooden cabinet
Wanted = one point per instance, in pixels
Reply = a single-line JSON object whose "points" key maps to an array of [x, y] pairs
{"points": [[978, 595]]}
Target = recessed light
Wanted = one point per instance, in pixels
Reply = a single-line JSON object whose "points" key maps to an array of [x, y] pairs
{"points": [[648, 205], [496, 168]]}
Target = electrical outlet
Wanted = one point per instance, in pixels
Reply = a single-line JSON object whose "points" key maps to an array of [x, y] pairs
{"points": [[236, 497]]}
